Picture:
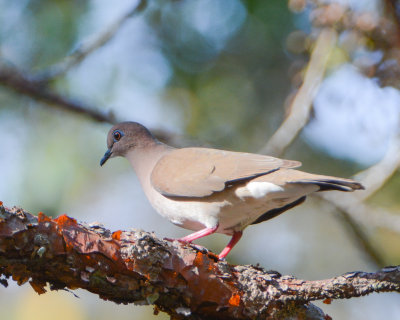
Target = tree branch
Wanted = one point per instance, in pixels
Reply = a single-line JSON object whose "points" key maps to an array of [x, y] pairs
{"points": [[376, 176], [355, 222], [36, 86], [296, 120], [26, 85], [137, 267], [363, 214], [89, 46], [302, 104], [356, 213]]}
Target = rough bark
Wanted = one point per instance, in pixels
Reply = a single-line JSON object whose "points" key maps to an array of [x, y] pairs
{"points": [[137, 267]]}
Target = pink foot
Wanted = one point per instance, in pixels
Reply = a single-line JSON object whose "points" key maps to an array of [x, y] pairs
{"points": [[206, 232], [199, 234], [235, 238]]}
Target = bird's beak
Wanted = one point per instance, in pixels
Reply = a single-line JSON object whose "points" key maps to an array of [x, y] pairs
{"points": [[106, 156]]}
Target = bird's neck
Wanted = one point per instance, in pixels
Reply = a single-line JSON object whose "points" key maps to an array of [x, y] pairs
{"points": [[143, 160]]}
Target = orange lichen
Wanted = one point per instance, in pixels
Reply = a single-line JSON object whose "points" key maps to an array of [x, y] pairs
{"points": [[65, 221], [202, 260], [327, 301], [234, 300], [198, 260], [43, 218], [117, 235], [68, 245], [115, 256], [130, 265]]}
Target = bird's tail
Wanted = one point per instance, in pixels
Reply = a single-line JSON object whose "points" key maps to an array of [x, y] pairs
{"points": [[327, 183]]}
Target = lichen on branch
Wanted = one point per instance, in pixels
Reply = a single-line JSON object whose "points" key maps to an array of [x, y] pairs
{"points": [[137, 267]]}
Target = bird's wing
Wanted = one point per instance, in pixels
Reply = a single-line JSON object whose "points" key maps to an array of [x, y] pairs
{"points": [[199, 172]]}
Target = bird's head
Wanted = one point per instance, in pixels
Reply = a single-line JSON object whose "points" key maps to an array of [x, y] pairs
{"points": [[124, 137]]}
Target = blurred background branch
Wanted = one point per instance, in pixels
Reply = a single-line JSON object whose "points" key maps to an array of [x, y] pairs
{"points": [[375, 177], [300, 109], [89, 46], [23, 84], [299, 112]]}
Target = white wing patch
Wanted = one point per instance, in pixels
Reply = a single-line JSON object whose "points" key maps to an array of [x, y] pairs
{"points": [[257, 190]]}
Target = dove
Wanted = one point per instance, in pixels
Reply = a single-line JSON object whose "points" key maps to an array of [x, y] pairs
{"points": [[209, 190]]}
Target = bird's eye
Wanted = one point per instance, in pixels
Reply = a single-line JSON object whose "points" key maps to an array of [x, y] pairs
{"points": [[117, 135]]}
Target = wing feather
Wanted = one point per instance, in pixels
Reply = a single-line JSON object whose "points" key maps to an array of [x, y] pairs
{"points": [[199, 172]]}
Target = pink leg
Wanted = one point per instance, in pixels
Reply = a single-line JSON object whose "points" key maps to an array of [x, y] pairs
{"points": [[199, 234], [235, 239]]}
